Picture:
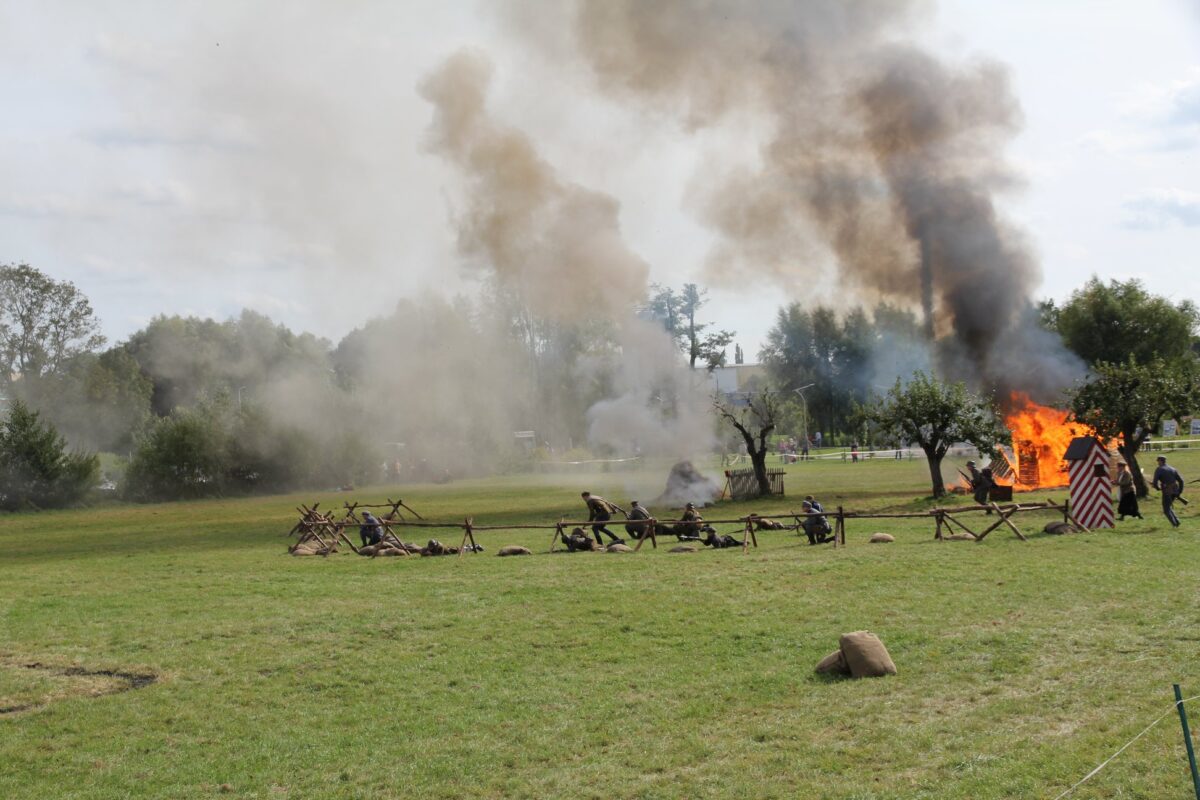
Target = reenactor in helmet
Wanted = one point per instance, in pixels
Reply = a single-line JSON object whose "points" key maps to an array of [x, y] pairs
{"points": [[600, 511]]}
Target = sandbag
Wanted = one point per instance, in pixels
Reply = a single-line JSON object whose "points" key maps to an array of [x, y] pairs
{"points": [[682, 548], [865, 655], [514, 550], [1059, 528], [833, 664], [617, 547], [391, 551], [959, 537], [879, 538]]}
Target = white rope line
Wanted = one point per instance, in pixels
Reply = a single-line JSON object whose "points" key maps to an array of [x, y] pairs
{"points": [[1146, 730]]}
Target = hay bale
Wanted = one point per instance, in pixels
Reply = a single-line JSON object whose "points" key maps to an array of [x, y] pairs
{"points": [[880, 538], [617, 547], [683, 548], [960, 537], [865, 655], [514, 550], [833, 664]]}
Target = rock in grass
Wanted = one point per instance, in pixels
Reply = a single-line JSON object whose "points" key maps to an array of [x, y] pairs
{"points": [[880, 538], [514, 550], [617, 547]]}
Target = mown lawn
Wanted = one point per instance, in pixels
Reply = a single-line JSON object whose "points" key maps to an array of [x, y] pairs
{"points": [[655, 675]]}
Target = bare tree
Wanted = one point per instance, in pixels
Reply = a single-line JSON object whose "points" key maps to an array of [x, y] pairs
{"points": [[754, 421]]}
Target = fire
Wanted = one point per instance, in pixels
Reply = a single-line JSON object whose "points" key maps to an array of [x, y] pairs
{"points": [[1040, 437]]}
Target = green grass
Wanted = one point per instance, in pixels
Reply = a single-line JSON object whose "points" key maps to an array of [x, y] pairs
{"points": [[656, 675]]}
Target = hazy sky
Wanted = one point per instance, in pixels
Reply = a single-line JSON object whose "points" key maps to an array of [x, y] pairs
{"points": [[196, 158]]}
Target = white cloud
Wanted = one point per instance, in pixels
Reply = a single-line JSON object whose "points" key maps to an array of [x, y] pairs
{"points": [[1159, 208]]}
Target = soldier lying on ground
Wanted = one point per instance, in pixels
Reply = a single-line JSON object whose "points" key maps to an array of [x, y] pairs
{"points": [[817, 527], [720, 540], [579, 540], [436, 548], [764, 524]]}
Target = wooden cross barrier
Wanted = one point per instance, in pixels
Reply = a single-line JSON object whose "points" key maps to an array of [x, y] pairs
{"points": [[468, 533], [326, 533], [648, 533]]}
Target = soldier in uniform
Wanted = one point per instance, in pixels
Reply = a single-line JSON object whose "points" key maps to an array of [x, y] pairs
{"points": [[1169, 482], [636, 512], [689, 529], [600, 511], [817, 526], [371, 532]]}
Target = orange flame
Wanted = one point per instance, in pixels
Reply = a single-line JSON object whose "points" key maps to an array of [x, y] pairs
{"points": [[1043, 433]]}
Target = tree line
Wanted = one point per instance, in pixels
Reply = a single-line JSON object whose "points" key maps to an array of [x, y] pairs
{"points": [[196, 407]]}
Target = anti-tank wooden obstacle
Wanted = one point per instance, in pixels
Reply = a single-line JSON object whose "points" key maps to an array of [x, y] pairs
{"points": [[321, 534], [1091, 482]]}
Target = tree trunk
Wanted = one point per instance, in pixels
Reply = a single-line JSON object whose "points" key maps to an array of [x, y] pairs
{"points": [[759, 459], [935, 471]]}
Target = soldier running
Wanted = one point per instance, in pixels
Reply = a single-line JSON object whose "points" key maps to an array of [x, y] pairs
{"points": [[1169, 483], [600, 511]]}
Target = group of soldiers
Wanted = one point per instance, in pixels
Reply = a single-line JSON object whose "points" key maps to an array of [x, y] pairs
{"points": [[691, 526]]}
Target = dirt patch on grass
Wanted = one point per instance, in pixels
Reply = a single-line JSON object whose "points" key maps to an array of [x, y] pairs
{"points": [[30, 685]]}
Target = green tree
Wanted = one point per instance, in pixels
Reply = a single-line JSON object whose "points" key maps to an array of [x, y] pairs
{"points": [[98, 402], [936, 415], [1128, 400], [36, 471], [678, 315], [754, 421], [43, 322], [185, 456], [1114, 322]]}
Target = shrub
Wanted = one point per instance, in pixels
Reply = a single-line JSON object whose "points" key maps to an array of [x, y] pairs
{"points": [[36, 471]]}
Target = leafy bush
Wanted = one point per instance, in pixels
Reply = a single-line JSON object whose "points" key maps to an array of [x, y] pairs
{"points": [[36, 471], [213, 450]]}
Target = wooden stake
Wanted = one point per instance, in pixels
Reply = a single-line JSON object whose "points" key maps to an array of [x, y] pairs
{"points": [[558, 531]]}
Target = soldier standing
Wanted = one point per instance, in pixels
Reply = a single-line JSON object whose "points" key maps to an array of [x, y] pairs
{"points": [[600, 511]]}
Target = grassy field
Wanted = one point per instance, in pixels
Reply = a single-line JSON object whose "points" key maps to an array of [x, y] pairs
{"points": [[655, 675]]}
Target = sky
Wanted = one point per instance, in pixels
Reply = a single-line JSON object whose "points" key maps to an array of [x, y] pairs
{"points": [[201, 157]]}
